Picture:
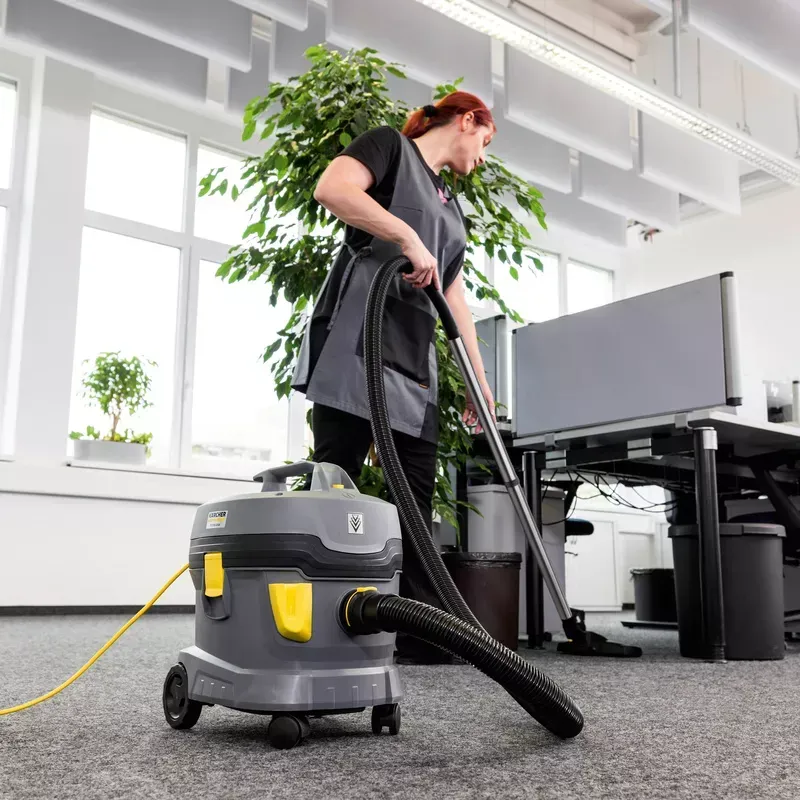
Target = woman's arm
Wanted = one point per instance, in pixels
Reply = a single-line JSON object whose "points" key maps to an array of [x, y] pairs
{"points": [[457, 301], [342, 189]]}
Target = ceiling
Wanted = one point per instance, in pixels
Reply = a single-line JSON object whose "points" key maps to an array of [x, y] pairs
{"points": [[635, 12]]}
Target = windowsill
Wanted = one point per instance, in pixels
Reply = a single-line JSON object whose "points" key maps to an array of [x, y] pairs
{"points": [[119, 482], [152, 470]]}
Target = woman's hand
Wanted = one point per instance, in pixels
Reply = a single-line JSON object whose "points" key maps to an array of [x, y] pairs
{"points": [[425, 267], [470, 415]]}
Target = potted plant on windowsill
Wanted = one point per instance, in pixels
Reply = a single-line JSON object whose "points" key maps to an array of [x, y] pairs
{"points": [[117, 386]]}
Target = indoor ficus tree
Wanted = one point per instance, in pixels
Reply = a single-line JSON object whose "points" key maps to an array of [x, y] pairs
{"points": [[305, 123]]}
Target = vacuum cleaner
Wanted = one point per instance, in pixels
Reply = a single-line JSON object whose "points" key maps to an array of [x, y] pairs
{"points": [[296, 591]]}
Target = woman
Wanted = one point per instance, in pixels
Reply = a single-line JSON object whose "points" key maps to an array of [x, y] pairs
{"points": [[386, 186]]}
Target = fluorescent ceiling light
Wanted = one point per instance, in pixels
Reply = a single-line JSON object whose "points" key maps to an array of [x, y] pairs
{"points": [[497, 22]]}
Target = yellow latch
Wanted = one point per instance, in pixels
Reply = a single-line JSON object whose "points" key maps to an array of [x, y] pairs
{"points": [[291, 608], [214, 574]]}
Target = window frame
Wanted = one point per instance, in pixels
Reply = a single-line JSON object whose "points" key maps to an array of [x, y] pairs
{"points": [[18, 70], [215, 131]]}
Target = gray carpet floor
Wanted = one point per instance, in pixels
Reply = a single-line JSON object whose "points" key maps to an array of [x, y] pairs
{"points": [[657, 727]]}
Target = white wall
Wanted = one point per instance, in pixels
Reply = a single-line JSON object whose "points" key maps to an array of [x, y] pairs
{"points": [[762, 248], [76, 536]]}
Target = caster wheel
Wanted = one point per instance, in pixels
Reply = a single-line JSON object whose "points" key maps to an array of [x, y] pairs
{"points": [[386, 717], [287, 731], [181, 712]]}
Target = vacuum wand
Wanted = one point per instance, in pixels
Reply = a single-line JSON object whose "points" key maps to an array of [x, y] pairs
{"points": [[581, 641], [507, 472]]}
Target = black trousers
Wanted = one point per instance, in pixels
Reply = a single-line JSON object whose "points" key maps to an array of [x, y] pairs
{"points": [[344, 439]]}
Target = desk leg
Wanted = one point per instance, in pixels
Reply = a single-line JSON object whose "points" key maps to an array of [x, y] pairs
{"points": [[711, 590], [534, 583]]}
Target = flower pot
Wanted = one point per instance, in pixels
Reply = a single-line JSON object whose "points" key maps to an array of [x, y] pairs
{"points": [[110, 452]]}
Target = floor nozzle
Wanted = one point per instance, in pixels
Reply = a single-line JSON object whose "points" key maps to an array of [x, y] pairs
{"points": [[585, 643]]}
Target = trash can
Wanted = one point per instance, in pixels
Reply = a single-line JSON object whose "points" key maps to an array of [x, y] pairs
{"points": [[654, 595], [752, 581], [489, 582]]}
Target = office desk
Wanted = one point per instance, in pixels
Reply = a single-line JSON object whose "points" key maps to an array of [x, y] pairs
{"points": [[704, 451]]}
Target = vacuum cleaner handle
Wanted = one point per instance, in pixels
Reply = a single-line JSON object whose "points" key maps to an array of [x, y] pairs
{"points": [[504, 464], [325, 477]]}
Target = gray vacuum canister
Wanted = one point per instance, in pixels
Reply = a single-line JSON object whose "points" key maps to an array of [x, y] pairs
{"points": [[270, 569]]}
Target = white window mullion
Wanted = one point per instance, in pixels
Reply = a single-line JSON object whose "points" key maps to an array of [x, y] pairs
{"points": [[187, 313], [297, 426], [9, 267], [182, 443], [208, 250], [136, 230]]}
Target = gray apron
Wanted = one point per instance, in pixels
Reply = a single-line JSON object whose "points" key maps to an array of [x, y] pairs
{"points": [[409, 352]]}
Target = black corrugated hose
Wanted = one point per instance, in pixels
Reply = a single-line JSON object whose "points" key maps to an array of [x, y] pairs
{"points": [[456, 629]]}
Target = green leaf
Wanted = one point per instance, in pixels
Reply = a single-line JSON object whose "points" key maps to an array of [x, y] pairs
{"points": [[538, 264], [516, 257], [256, 228], [317, 51], [345, 139], [249, 130], [392, 70], [235, 192], [514, 272]]}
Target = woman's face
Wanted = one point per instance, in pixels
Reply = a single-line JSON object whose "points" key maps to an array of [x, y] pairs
{"points": [[469, 148]]}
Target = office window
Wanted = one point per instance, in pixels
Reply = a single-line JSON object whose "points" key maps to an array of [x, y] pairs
{"points": [[238, 423], [588, 287], [127, 302], [8, 121], [219, 217], [534, 295], [135, 172]]}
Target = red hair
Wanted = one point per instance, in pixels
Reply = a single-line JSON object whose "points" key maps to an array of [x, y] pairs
{"points": [[447, 109]]}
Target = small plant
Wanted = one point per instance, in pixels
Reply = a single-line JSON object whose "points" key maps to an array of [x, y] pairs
{"points": [[116, 386]]}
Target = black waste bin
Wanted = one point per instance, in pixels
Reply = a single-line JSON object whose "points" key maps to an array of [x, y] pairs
{"points": [[752, 581], [489, 583], [654, 595]]}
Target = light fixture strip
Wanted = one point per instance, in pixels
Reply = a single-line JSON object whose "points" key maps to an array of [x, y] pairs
{"points": [[500, 24]]}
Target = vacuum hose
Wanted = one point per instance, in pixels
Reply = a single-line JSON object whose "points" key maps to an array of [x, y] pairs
{"points": [[456, 629]]}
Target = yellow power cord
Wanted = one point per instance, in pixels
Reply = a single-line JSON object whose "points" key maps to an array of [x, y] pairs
{"points": [[139, 614]]}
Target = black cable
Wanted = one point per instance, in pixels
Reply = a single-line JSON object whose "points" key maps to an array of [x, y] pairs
{"points": [[573, 506], [614, 497]]}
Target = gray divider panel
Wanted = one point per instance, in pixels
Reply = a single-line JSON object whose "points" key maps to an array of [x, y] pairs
{"points": [[657, 353]]}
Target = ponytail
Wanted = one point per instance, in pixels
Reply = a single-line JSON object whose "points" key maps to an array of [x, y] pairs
{"points": [[448, 108]]}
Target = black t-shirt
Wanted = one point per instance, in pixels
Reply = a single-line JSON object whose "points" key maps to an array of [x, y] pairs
{"points": [[379, 150]]}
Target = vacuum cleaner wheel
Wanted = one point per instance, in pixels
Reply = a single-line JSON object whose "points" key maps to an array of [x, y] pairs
{"points": [[181, 712], [287, 731], [386, 717]]}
